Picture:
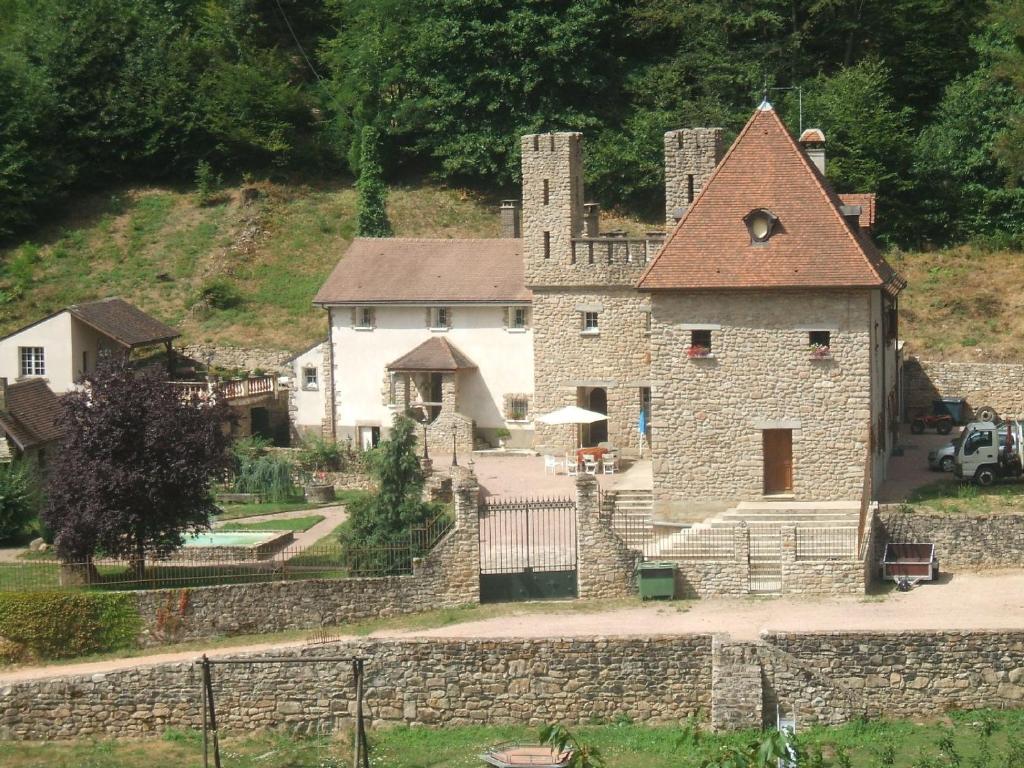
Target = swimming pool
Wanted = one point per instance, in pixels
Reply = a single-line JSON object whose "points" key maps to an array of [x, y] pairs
{"points": [[230, 538]]}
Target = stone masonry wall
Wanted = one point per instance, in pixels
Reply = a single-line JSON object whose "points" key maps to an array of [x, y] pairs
{"points": [[605, 566], [708, 414], [565, 359], [434, 682], [995, 384], [448, 576], [961, 540], [241, 358], [825, 678]]}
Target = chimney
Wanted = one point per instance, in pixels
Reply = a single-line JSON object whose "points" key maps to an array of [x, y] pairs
{"points": [[3, 393], [813, 142], [510, 218], [852, 214], [591, 219]]}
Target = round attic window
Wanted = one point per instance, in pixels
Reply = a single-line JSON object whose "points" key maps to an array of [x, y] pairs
{"points": [[760, 223]]}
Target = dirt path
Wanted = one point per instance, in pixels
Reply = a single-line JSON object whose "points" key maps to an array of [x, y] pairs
{"points": [[989, 600]]}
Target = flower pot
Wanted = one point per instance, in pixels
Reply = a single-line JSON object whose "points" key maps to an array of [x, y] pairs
{"points": [[318, 493]]}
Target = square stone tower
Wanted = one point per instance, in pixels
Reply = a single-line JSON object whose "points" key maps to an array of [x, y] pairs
{"points": [[691, 155]]}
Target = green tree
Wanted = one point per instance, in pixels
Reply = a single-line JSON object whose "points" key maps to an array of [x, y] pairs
{"points": [[373, 192], [376, 536], [19, 497]]}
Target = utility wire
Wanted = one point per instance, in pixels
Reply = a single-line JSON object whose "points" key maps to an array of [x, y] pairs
{"points": [[296, 39]]}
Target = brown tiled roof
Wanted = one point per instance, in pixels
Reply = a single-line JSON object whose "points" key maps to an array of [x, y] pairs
{"points": [[408, 270], [866, 201], [812, 245], [123, 321], [31, 415], [434, 354]]}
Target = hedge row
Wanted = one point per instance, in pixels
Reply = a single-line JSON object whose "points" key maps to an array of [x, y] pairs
{"points": [[53, 625]]}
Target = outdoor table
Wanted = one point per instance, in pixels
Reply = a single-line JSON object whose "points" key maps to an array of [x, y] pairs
{"points": [[597, 452]]}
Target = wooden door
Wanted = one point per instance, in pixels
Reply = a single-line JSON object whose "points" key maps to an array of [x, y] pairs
{"points": [[778, 460]]}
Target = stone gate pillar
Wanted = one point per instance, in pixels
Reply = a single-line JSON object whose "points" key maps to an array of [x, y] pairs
{"points": [[605, 566]]}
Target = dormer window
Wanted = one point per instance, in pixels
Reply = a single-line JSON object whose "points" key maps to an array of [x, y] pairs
{"points": [[761, 224]]}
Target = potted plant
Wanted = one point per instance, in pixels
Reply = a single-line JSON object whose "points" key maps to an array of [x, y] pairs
{"points": [[698, 350], [820, 351], [502, 434]]}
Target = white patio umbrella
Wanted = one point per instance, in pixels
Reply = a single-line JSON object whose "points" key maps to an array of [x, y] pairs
{"points": [[572, 414]]}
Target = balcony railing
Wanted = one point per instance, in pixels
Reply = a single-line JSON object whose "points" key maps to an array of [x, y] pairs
{"points": [[254, 386], [616, 250]]}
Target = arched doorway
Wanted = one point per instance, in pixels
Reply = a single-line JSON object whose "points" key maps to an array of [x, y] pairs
{"points": [[599, 403]]}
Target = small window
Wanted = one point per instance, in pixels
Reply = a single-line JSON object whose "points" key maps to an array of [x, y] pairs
{"points": [[310, 378], [547, 245], [689, 187], [364, 317], [517, 318], [440, 317], [32, 362], [518, 408], [820, 343], [590, 324], [547, 192], [700, 344], [647, 323], [760, 224]]}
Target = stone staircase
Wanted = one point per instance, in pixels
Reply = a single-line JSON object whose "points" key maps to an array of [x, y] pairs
{"points": [[634, 513]]}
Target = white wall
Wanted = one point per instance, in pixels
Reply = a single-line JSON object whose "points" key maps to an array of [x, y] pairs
{"points": [[309, 402], [54, 335], [504, 359]]}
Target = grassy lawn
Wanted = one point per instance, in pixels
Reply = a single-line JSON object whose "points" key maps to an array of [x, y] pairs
{"points": [[303, 523], [948, 495], [239, 511], [443, 617], [623, 745]]}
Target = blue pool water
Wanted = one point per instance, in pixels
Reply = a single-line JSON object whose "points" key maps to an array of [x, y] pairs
{"points": [[229, 538]]}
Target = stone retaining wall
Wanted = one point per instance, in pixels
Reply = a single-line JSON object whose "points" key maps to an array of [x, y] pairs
{"points": [[238, 358], [825, 678], [1000, 385], [961, 540], [448, 576]]}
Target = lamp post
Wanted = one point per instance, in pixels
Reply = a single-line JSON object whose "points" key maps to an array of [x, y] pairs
{"points": [[426, 452], [455, 457]]}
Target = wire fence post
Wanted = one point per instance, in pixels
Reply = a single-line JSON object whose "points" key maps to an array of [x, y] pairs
{"points": [[208, 685]]}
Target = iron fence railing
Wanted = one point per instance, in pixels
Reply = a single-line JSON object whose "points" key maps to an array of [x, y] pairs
{"points": [[827, 543], [190, 567], [538, 534]]}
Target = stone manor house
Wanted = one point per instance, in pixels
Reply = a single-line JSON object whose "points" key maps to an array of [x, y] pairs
{"points": [[758, 336]]}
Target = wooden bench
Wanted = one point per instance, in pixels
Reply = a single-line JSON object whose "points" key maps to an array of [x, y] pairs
{"points": [[240, 498]]}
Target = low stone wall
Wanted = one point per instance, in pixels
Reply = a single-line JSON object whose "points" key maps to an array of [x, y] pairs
{"points": [[436, 682], [238, 358], [237, 553], [961, 541], [995, 384], [821, 678], [448, 576]]}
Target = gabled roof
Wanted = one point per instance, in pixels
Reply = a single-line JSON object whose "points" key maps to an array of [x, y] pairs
{"points": [[434, 354], [812, 246], [123, 321], [418, 271], [31, 415], [115, 318]]}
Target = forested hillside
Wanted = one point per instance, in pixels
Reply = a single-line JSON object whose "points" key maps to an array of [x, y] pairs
{"points": [[130, 128]]}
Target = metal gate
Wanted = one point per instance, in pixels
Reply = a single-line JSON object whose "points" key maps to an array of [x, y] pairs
{"points": [[765, 560], [527, 549]]}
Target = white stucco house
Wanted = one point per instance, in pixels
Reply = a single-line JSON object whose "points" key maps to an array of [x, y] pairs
{"points": [[441, 327], [307, 403], [64, 346]]}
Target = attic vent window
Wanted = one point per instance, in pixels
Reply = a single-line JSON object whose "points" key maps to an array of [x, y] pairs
{"points": [[761, 224]]}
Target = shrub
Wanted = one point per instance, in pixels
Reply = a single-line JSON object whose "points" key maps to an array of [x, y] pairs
{"points": [[53, 625], [18, 498], [207, 183], [319, 455], [269, 476], [218, 294]]}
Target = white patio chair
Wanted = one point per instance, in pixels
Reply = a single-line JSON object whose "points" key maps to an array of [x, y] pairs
{"points": [[572, 468], [551, 464], [589, 465], [610, 463]]}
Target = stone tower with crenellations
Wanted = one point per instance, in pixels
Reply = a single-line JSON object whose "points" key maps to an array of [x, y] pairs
{"points": [[591, 325]]}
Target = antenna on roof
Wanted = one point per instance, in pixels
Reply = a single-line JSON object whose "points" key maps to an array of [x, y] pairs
{"points": [[800, 101]]}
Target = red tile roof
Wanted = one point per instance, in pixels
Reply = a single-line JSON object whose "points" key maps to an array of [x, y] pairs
{"points": [[410, 271], [31, 415], [866, 200], [812, 245], [434, 354], [123, 321]]}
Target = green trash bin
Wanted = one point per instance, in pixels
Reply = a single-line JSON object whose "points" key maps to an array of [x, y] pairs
{"points": [[657, 579]]}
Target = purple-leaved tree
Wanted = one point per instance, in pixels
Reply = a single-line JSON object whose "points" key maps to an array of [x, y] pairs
{"points": [[134, 471]]}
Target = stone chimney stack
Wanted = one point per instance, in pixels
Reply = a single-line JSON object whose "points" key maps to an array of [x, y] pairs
{"points": [[510, 218], [813, 142], [691, 155], [591, 219]]}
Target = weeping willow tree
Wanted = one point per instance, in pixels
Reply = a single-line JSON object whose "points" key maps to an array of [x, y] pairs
{"points": [[267, 476]]}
